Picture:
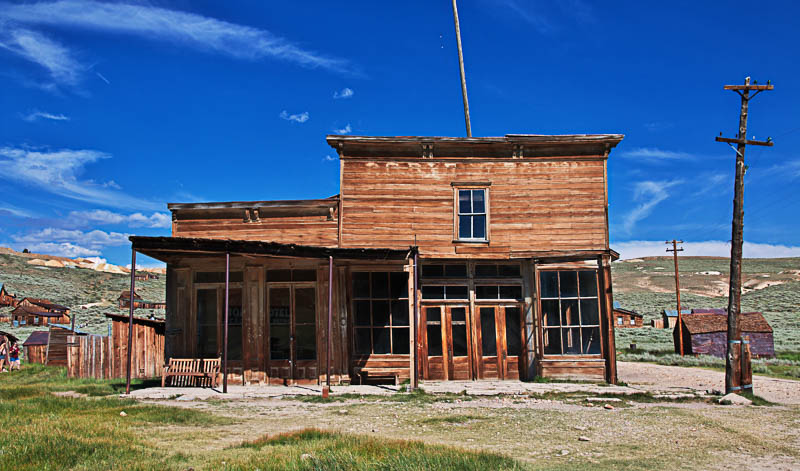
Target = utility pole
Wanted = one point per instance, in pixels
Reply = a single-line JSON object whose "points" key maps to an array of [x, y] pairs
{"points": [[675, 251], [733, 366], [461, 66]]}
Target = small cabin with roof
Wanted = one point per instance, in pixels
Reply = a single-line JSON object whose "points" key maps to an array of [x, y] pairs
{"points": [[670, 317], [6, 298], [707, 334], [124, 302], [35, 346], [625, 318]]}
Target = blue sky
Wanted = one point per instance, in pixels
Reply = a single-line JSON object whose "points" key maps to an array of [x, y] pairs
{"points": [[110, 110]]}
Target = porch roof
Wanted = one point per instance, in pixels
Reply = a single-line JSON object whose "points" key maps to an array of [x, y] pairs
{"points": [[163, 248]]}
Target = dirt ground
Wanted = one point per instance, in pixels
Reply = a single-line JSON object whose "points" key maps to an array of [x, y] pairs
{"points": [[556, 429]]}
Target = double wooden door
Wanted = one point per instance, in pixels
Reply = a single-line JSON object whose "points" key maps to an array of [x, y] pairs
{"points": [[292, 331], [483, 344]]}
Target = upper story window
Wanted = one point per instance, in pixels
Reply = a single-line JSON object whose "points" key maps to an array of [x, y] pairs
{"points": [[472, 214]]}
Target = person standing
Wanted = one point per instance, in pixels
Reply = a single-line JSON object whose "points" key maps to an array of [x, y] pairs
{"points": [[13, 354]]}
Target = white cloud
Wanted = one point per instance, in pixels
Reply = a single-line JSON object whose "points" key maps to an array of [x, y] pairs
{"points": [[39, 49], [35, 115], [151, 22], [652, 153], [68, 243], [328, 158], [709, 248], [345, 130], [63, 249], [345, 93], [650, 193], [297, 118], [102, 216]]}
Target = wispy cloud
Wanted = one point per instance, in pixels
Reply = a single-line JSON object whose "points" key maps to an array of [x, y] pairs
{"points": [[68, 243], [102, 216], [648, 194], [709, 248], [148, 22], [36, 115], [328, 158], [57, 172], [297, 118], [345, 130], [103, 78], [35, 47], [653, 153], [546, 17], [345, 93]]}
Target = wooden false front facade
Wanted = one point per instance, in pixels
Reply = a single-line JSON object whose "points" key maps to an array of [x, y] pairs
{"points": [[513, 280]]}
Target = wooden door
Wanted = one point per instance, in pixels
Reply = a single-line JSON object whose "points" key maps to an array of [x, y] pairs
{"points": [[498, 333], [292, 331], [433, 351], [446, 343]]}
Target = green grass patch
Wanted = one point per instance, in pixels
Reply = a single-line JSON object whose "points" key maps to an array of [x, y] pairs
{"points": [[451, 419]]}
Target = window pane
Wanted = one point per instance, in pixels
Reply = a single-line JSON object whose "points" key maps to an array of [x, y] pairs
{"points": [[360, 285], [508, 271], [590, 312], [362, 312], [548, 284], [588, 281], [479, 201], [591, 340], [569, 312], [464, 204], [456, 292], [455, 271], [478, 227], [380, 285], [279, 275], [458, 314], [513, 332], [279, 342], [304, 306], [432, 271], [209, 277], [279, 305], [569, 284], [460, 345], [434, 340], [550, 312], [432, 292], [400, 341], [363, 343], [306, 342], [486, 292], [464, 227], [380, 313], [235, 325], [571, 338], [304, 275], [488, 336], [489, 271], [619, 321], [400, 313], [381, 343], [399, 284], [433, 314], [511, 292], [552, 341]]}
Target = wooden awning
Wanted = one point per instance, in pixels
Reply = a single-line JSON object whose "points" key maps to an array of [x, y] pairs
{"points": [[165, 248]]}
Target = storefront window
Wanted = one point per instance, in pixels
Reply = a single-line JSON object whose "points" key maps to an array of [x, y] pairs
{"points": [[570, 312]]}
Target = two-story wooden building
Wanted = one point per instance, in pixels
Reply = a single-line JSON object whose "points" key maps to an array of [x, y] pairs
{"points": [[6, 298], [39, 312], [451, 258]]}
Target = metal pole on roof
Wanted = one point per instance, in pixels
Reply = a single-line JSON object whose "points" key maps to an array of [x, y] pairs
{"points": [[130, 321], [225, 340], [461, 67]]}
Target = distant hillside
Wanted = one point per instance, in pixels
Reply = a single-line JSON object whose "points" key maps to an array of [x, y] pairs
{"points": [[87, 292]]}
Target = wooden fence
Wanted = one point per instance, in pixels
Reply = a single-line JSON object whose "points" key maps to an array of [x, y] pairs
{"points": [[91, 356]]}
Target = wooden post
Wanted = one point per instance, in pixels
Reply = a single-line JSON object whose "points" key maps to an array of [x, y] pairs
{"points": [[733, 364], [130, 322], [330, 323], [225, 340], [461, 67], [675, 251], [414, 379]]}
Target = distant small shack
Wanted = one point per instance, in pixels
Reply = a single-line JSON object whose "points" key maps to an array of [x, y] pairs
{"points": [[6, 298], [124, 302], [625, 318], [706, 333], [57, 344], [35, 346], [145, 275], [670, 317]]}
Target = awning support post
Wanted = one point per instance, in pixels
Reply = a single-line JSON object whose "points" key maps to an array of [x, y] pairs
{"points": [[130, 321], [330, 322], [225, 340], [414, 383]]}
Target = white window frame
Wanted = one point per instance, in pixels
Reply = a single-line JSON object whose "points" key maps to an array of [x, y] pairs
{"points": [[457, 213]]}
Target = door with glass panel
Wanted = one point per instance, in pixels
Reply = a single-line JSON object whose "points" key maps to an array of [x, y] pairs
{"points": [[498, 333], [292, 331], [446, 343]]}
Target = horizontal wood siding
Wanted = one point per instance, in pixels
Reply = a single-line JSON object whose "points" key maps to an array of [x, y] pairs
{"points": [[306, 230], [534, 205]]}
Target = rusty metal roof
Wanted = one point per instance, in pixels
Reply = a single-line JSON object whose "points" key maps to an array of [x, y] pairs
{"points": [[704, 323], [38, 337]]}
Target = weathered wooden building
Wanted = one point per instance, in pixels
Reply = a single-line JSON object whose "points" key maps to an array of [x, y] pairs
{"points": [[147, 359], [33, 315], [35, 347], [145, 275], [58, 343], [707, 334], [669, 317], [455, 258], [124, 300], [6, 298], [625, 318]]}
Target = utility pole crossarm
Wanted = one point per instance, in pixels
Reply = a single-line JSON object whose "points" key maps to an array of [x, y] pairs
{"points": [[748, 142], [749, 87]]}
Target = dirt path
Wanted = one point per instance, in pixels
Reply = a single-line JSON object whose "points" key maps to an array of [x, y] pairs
{"points": [[678, 378]]}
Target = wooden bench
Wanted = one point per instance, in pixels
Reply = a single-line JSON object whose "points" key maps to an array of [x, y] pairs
{"points": [[192, 372], [368, 373]]}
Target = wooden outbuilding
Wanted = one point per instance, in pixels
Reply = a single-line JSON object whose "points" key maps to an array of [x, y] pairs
{"points": [[707, 334], [670, 317], [145, 275], [444, 259], [124, 300], [57, 343], [147, 346], [36, 346], [31, 315], [625, 318], [6, 298]]}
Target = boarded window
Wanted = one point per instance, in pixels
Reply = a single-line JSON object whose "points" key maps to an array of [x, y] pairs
{"points": [[380, 313], [472, 214], [570, 312], [445, 292]]}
